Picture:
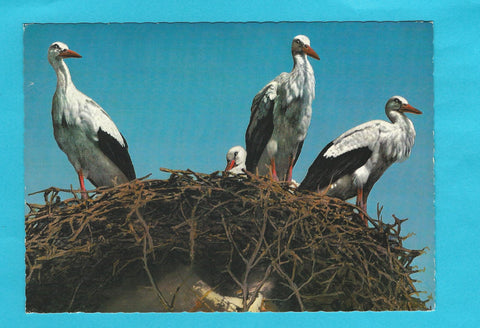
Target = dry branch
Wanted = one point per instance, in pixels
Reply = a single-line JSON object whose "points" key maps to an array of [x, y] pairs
{"points": [[301, 251]]}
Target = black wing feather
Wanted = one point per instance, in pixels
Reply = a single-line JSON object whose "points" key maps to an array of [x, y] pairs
{"points": [[117, 153], [299, 150], [324, 170], [259, 130]]}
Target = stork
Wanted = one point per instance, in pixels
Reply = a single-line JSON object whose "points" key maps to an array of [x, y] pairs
{"points": [[350, 165], [280, 116], [84, 131], [236, 160]]}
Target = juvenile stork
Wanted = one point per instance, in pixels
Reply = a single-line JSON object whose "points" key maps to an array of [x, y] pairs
{"points": [[84, 131], [236, 160], [350, 165], [280, 116]]}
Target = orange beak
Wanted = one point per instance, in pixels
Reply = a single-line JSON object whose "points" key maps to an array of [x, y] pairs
{"points": [[410, 109], [230, 165], [69, 53], [310, 52]]}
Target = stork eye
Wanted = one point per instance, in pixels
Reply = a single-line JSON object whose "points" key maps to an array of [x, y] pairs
{"points": [[297, 41], [235, 154], [304, 45]]}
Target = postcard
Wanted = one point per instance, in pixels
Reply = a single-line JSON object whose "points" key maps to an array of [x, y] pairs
{"points": [[229, 167]]}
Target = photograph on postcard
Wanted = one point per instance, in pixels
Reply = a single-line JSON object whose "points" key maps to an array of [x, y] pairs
{"points": [[229, 167]]}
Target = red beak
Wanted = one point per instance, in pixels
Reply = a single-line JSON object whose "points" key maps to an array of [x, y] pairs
{"points": [[410, 109], [310, 52], [69, 53], [230, 165]]}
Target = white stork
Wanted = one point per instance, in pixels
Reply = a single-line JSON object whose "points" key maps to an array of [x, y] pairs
{"points": [[236, 157], [280, 116], [84, 131], [350, 165]]}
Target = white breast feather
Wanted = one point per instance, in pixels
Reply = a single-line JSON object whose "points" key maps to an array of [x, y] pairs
{"points": [[238, 169], [397, 143]]}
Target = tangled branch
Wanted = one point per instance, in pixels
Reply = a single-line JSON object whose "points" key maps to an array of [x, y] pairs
{"points": [[298, 251]]}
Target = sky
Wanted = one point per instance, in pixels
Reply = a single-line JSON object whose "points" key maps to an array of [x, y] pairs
{"points": [[181, 94]]}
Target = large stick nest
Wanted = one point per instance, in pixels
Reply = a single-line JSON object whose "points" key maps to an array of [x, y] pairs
{"points": [[237, 232]]}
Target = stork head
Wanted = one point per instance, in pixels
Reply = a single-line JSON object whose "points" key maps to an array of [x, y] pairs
{"points": [[59, 50], [400, 104], [236, 156], [301, 45]]}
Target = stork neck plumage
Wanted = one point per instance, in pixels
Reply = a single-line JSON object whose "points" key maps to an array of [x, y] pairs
{"points": [[301, 81], [64, 79], [399, 118], [300, 62], [406, 138]]}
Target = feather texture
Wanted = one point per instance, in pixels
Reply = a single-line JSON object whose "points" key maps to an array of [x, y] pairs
{"points": [[84, 131], [281, 114], [260, 127], [359, 157]]}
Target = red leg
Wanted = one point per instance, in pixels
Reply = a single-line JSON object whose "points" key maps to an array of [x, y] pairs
{"points": [[362, 204], [83, 190], [274, 171]]}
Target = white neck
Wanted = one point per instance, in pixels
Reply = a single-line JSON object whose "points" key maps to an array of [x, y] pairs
{"points": [[64, 80], [406, 138], [301, 79], [300, 61], [399, 118]]}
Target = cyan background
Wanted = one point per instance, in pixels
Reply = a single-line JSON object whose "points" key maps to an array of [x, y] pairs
{"points": [[456, 54]]}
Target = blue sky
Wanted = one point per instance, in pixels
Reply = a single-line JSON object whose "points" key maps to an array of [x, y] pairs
{"points": [[181, 96]]}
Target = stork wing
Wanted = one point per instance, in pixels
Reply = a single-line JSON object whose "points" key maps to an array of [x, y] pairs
{"points": [[117, 153], [260, 128], [110, 141], [299, 150], [363, 135], [343, 155], [326, 170]]}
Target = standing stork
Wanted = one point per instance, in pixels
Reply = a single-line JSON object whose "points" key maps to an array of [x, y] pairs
{"points": [[280, 116], [84, 131], [350, 165], [236, 160]]}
